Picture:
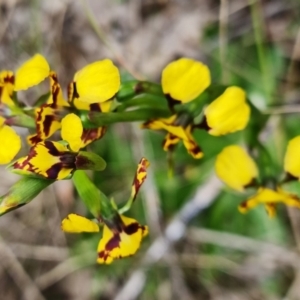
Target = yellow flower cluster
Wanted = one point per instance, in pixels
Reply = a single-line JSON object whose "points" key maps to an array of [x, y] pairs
{"points": [[93, 89], [183, 81], [238, 170]]}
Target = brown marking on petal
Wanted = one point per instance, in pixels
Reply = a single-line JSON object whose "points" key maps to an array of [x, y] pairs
{"points": [[53, 172], [203, 125], [117, 227], [26, 163], [244, 205], [113, 243], [1, 90], [35, 139], [146, 124], [252, 183], [67, 160], [55, 92], [171, 146], [9, 79], [53, 75], [72, 91], [95, 107], [51, 148], [288, 177], [171, 102], [132, 228], [90, 135], [196, 149], [47, 124], [140, 176]]}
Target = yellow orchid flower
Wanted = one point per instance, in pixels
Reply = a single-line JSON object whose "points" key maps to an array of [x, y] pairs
{"points": [[122, 236], [120, 239], [176, 133], [92, 89], [48, 159], [30, 73], [228, 113], [10, 143], [96, 82], [54, 160], [78, 137], [183, 81], [238, 170]]}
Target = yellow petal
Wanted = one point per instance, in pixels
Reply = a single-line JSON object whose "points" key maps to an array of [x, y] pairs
{"points": [[10, 143], [97, 82], [291, 159], [7, 81], [191, 145], [32, 72], [185, 79], [235, 167], [140, 176], [71, 131], [122, 243], [2, 121], [51, 160], [47, 124], [176, 132], [228, 113], [81, 105], [75, 224], [56, 97], [91, 135], [269, 198]]}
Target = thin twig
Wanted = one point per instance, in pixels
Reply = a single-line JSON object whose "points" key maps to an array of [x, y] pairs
{"points": [[281, 110], [18, 274], [245, 244], [64, 269], [47, 253]]}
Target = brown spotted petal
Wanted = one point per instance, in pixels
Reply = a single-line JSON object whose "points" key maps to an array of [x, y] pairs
{"points": [[140, 176], [91, 135], [51, 160], [175, 133], [7, 81], [47, 123], [48, 116], [120, 239]]}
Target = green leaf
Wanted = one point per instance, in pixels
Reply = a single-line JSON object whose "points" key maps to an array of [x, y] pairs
{"points": [[90, 161], [22, 192], [96, 202], [102, 119]]}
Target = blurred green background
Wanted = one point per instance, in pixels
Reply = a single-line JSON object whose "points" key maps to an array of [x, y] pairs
{"points": [[252, 44]]}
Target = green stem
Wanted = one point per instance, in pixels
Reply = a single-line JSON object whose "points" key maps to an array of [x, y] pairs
{"points": [[102, 119], [147, 100]]}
